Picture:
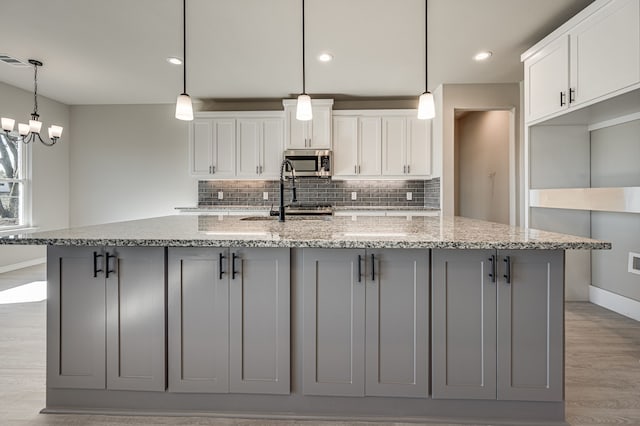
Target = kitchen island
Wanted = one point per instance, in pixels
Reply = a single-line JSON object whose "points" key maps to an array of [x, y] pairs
{"points": [[379, 318]]}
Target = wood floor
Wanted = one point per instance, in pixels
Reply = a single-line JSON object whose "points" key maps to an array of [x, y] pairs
{"points": [[602, 369]]}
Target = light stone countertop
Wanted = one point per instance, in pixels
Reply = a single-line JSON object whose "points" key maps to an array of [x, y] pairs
{"points": [[224, 208], [306, 231]]}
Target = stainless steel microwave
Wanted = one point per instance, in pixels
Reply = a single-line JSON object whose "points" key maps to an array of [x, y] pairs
{"points": [[310, 162]]}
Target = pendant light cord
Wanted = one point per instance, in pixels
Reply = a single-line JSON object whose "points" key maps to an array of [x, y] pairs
{"points": [[35, 89], [184, 46], [304, 91], [426, 49]]}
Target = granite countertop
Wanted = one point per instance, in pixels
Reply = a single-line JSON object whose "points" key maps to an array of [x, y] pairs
{"points": [[206, 209], [306, 231]]}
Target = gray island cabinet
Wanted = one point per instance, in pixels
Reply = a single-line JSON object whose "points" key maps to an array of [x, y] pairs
{"points": [[377, 318]]}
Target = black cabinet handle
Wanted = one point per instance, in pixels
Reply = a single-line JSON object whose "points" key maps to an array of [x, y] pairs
{"points": [[492, 273], [233, 266], [572, 95], [221, 257], [563, 95], [95, 264], [373, 267], [108, 271], [359, 268], [507, 276]]}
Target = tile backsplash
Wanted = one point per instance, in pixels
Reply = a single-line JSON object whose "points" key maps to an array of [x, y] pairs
{"points": [[315, 190]]}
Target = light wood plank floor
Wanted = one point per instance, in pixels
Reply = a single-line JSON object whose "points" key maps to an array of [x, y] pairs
{"points": [[602, 370]]}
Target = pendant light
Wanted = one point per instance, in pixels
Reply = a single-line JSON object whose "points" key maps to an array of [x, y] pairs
{"points": [[184, 108], [303, 110], [426, 106]]}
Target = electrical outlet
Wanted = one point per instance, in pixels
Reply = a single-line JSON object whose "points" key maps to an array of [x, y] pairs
{"points": [[265, 195], [354, 195], [409, 196], [220, 195]]}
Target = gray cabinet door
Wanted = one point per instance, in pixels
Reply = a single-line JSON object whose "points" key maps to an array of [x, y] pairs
{"points": [[530, 325], [136, 318], [198, 316], [75, 318], [333, 315], [463, 325], [397, 322], [259, 321]]}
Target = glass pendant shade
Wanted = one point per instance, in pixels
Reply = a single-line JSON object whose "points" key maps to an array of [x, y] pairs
{"points": [[426, 106], [23, 129], [55, 131], [35, 126], [184, 108], [303, 110], [8, 124]]}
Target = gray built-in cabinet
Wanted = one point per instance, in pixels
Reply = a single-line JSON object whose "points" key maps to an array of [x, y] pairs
{"points": [[366, 322], [497, 324], [106, 318], [229, 320]]}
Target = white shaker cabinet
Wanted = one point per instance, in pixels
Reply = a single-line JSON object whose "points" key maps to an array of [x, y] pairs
{"points": [[366, 320], [212, 147], [357, 146], [315, 133], [106, 319], [259, 147], [596, 57], [497, 324], [406, 147], [229, 316]]}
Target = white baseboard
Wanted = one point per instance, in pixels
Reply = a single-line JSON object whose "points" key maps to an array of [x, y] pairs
{"points": [[614, 302], [24, 264]]}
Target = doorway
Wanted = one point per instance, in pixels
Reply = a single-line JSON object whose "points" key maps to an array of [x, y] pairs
{"points": [[484, 162]]}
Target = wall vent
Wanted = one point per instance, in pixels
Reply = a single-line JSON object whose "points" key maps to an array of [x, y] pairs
{"points": [[634, 263], [7, 59]]}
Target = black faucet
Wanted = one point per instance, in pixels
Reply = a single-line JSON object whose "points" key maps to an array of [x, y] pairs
{"points": [[293, 187]]}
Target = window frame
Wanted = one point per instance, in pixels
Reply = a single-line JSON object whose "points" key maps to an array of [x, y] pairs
{"points": [[25, 180]]}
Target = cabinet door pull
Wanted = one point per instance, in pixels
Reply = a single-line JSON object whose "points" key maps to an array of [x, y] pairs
{"points": [[373, 267], [572, 95], [213, 169], [408, 168], [358, 168], [95, 264], [492, 271], [507, 276], [355, 169], [562, 98], [404, 169], [359, 268], [257, 170], [221, 257], [108, 270], [260, 169], [233, 266]]}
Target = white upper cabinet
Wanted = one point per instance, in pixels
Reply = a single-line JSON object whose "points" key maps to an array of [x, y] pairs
{"points": [[245, 145], [357, 146], [547, 77], [212, 148], [315, 133], [406, 147], [595, 55], [605, 51]]}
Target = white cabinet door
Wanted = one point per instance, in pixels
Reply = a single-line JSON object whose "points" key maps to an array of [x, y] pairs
{"points": [[224, 148], [296, 131], [418, 147], [345, 146], [547, 80], [272, 148], [200, 152], [369, 146], [319, 133], [248, 148], [605, 51], [393, 146]]}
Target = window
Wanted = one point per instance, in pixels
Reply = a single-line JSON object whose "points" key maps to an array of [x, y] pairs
{"points": [[13, 183]]}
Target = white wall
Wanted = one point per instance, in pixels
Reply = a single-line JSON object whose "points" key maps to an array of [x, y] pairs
{"points": [[482, 147], [49, 169], [128, 162], [470, 97]]}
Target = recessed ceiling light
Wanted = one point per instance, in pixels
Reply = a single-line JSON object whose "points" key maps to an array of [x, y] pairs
{"points": [[482, 56], [325, 57], [174, 61]]}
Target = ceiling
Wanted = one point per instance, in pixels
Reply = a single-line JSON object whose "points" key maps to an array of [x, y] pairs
{"points": [[114, 52]]}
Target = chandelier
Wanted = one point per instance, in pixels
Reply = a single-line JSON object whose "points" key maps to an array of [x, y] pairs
{"points": [[30, 132]]}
